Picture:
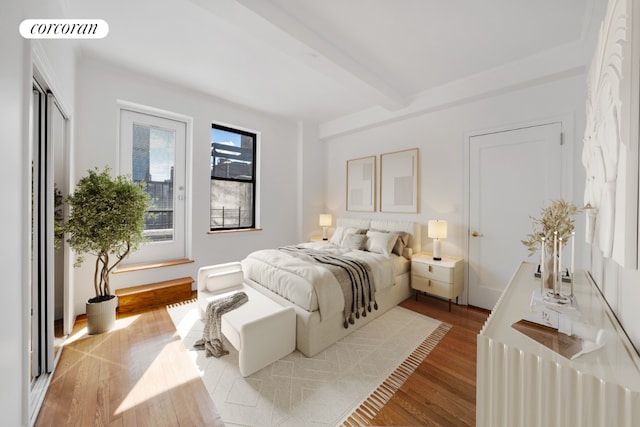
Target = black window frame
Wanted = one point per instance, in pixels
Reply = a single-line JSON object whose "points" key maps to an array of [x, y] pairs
{"points": [[252, 180]]}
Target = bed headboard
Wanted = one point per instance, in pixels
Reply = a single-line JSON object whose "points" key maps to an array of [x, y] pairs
{"points": [[413, 228]]}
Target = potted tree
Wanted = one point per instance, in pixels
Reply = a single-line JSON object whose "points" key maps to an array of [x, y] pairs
{"points": [[106, 219]]}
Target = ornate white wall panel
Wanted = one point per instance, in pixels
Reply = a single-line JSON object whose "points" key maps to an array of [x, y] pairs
{"points": [[610, 152]]}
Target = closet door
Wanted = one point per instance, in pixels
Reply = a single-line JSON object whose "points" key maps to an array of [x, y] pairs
{"points": [[42, 235]]}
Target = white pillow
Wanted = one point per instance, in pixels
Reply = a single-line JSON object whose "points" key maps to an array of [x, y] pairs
{"points": [[380, 242], [342, 232], [401, 243], [336, 239], [355, 241]]}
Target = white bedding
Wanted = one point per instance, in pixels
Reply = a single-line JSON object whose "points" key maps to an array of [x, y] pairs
{"points": [[312, 286]]}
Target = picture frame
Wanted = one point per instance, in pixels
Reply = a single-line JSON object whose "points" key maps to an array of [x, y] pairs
{"points": [[399, 181], [361, 184]]}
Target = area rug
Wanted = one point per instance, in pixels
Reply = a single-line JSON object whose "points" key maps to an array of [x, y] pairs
{"points": [[348, 383]]}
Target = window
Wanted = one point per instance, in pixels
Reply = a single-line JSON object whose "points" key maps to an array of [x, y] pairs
{"points": [[233, 178], [153, 165]]}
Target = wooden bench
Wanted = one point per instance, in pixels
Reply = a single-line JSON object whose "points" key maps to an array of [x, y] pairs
{"points": [[154, 294]]}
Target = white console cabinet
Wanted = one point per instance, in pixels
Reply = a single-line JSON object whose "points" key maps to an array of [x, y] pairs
{"points": [[523, 383]]}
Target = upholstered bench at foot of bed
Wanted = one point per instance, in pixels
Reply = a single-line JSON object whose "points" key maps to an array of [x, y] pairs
{"points": [[262, 330]]}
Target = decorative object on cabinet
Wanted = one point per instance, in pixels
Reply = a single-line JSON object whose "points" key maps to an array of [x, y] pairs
{"points": [[444, 278], [551, 232], [325, 222], [437, 230], [557, 217], [399, 181], [610, 149], [361, 184]]}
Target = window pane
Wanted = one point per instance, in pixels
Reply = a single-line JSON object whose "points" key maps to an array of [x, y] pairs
{"points": [[231, 155], [153, 163], [233, 180], [231, 204]]}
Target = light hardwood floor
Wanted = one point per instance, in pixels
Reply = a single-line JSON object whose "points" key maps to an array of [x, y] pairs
{"points": [[141, 375], [442, 391], [137, 375]]}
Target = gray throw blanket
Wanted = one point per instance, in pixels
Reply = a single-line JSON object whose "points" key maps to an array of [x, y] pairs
{"points": [[355, 279], [211, 340]]}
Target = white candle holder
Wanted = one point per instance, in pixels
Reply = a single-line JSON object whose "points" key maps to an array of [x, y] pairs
{"points": [[556, 296]]}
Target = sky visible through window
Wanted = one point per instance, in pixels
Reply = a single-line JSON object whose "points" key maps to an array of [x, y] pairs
{"points": [[224, 137], [161, 151]]}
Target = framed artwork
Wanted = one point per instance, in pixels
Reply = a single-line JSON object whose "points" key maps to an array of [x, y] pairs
{"points": [[399, 181], [361, 184]]}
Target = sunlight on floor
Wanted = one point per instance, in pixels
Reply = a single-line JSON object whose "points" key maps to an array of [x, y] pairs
{"points": [[155, 382], [186, 324], [121, 323]]}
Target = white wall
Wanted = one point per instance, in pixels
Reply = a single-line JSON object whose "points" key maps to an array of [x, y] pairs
{"points": [[311, 185], [14, 85], [440, 136], [100, 85]]}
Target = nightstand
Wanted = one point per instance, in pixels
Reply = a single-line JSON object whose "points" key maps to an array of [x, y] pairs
{"points": [[443, 278], [317, 239]]}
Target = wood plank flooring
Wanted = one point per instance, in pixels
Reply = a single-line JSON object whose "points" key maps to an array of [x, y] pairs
{"points": [[140, 374], [137, 375], [442, 391]]}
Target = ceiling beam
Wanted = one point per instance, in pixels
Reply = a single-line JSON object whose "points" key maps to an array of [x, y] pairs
{"points": [[555, 64], [288, 34]]}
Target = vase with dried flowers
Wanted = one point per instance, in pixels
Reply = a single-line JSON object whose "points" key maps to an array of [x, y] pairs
{"points": [[554, 226]]}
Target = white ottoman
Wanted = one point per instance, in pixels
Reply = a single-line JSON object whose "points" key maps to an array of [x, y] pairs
{"points": [[261, 330]]}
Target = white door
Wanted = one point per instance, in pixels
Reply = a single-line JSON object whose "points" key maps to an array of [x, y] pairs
{"points": [[512, 174], [153, 150]]}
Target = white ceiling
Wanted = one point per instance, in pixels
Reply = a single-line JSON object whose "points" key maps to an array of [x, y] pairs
{"points": [[320, 60]]}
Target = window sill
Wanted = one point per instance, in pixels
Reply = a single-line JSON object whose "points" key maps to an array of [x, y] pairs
{"points": [[236, 230], [150, 265]]}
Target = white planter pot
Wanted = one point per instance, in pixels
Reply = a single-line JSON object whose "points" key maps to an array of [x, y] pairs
{"points": [[101, 316]]}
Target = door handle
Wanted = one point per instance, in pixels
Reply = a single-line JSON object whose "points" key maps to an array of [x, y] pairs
{"points": [[475, 234]]}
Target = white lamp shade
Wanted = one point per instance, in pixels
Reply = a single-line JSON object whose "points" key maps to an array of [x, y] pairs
{"points": [[325, 220], [437, 229]]}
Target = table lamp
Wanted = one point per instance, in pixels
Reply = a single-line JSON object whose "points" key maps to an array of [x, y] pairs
{"points": [[437, 231], [325, 221]]}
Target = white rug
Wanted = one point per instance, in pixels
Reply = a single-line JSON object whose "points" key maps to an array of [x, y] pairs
{"points": [[320, 391]]}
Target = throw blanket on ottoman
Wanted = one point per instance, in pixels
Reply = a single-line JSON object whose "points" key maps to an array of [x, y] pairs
{"points": [[355, 279], [211, 340]]}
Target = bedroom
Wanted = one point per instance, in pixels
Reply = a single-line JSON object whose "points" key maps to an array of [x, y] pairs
{"points": [[90, 86]]}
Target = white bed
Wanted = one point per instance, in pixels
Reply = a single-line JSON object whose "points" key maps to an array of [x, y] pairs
{"points": [[313, 291]]}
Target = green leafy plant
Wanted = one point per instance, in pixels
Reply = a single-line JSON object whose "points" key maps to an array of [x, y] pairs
{"points": [[58, 217], [106, 218], [558, 216]]}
